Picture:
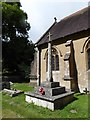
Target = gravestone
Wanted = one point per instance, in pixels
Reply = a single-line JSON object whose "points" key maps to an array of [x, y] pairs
{"points": [[4, 85], [13, 92]]}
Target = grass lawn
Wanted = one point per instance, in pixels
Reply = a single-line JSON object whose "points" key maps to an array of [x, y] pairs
{"points": [[16, 107]]}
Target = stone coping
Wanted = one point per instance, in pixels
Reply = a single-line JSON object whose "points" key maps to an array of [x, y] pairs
{"points": [[52, 98]]}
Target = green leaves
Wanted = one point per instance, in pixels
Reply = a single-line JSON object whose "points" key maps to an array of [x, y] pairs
{"points": [[14, 22], [17, 49]]}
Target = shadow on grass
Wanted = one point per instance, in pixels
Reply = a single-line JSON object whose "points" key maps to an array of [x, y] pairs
{"points": [[79, 94], [74, 99]]}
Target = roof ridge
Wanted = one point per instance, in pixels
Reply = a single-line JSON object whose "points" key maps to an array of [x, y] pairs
{"points": [[72, 24], [75, 13]]}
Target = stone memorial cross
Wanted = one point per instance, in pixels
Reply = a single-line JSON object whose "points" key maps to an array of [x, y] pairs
{"points": [[49, 59]]}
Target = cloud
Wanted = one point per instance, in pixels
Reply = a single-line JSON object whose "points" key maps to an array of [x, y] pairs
{"points": [[41, 14]]}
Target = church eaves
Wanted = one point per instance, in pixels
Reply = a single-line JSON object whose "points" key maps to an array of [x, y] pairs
{"points": [[71, 24]]}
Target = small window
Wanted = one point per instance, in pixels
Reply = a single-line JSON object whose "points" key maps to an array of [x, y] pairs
{"points": [[55, 60], [88, 53]]}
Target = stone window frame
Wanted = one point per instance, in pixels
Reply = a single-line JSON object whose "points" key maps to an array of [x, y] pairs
{"points": [[84, 49], [87, 57], [55, 60]]}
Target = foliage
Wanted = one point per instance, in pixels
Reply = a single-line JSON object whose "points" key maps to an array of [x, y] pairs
{"points": [[14, 22], [26, 110], [25, 70], [17, 49], [17, 56]]}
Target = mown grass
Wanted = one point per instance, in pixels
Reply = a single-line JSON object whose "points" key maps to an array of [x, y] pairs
{"points": [[0, 105], [16, 107], [23, 86]]}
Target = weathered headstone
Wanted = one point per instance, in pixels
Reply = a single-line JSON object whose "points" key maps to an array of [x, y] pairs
{"points": [[13, 93], [5, 85]]}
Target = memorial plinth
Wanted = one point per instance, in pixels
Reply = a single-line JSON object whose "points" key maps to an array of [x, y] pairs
{"points": [[51, 88], [55, 96]]}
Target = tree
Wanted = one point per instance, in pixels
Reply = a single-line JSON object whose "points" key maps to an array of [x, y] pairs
{"points": [[17, 50], [14, 22]]}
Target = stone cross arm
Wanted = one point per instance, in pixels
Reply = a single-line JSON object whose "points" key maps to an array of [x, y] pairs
{"points": [[49, 36]]}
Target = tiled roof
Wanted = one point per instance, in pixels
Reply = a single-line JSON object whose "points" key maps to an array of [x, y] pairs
{"points": [[74, 23]]}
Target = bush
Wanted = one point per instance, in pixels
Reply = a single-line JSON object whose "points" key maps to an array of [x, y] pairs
{"points": [[25, 71]]}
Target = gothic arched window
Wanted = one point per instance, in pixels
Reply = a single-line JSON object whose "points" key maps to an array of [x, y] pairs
{"points": [[55, 60], [88, 55]]}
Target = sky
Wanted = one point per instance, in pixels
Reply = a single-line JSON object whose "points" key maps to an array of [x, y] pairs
{"points": [[41, 13]]}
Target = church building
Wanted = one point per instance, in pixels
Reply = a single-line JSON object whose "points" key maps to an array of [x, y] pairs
{"points": [[70, 39]]}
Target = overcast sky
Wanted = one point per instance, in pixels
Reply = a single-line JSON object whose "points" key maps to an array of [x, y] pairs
{"points": [[41, 13]]}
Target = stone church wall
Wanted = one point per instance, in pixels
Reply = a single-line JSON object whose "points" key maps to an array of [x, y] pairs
{"points": [[80, 64]]}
